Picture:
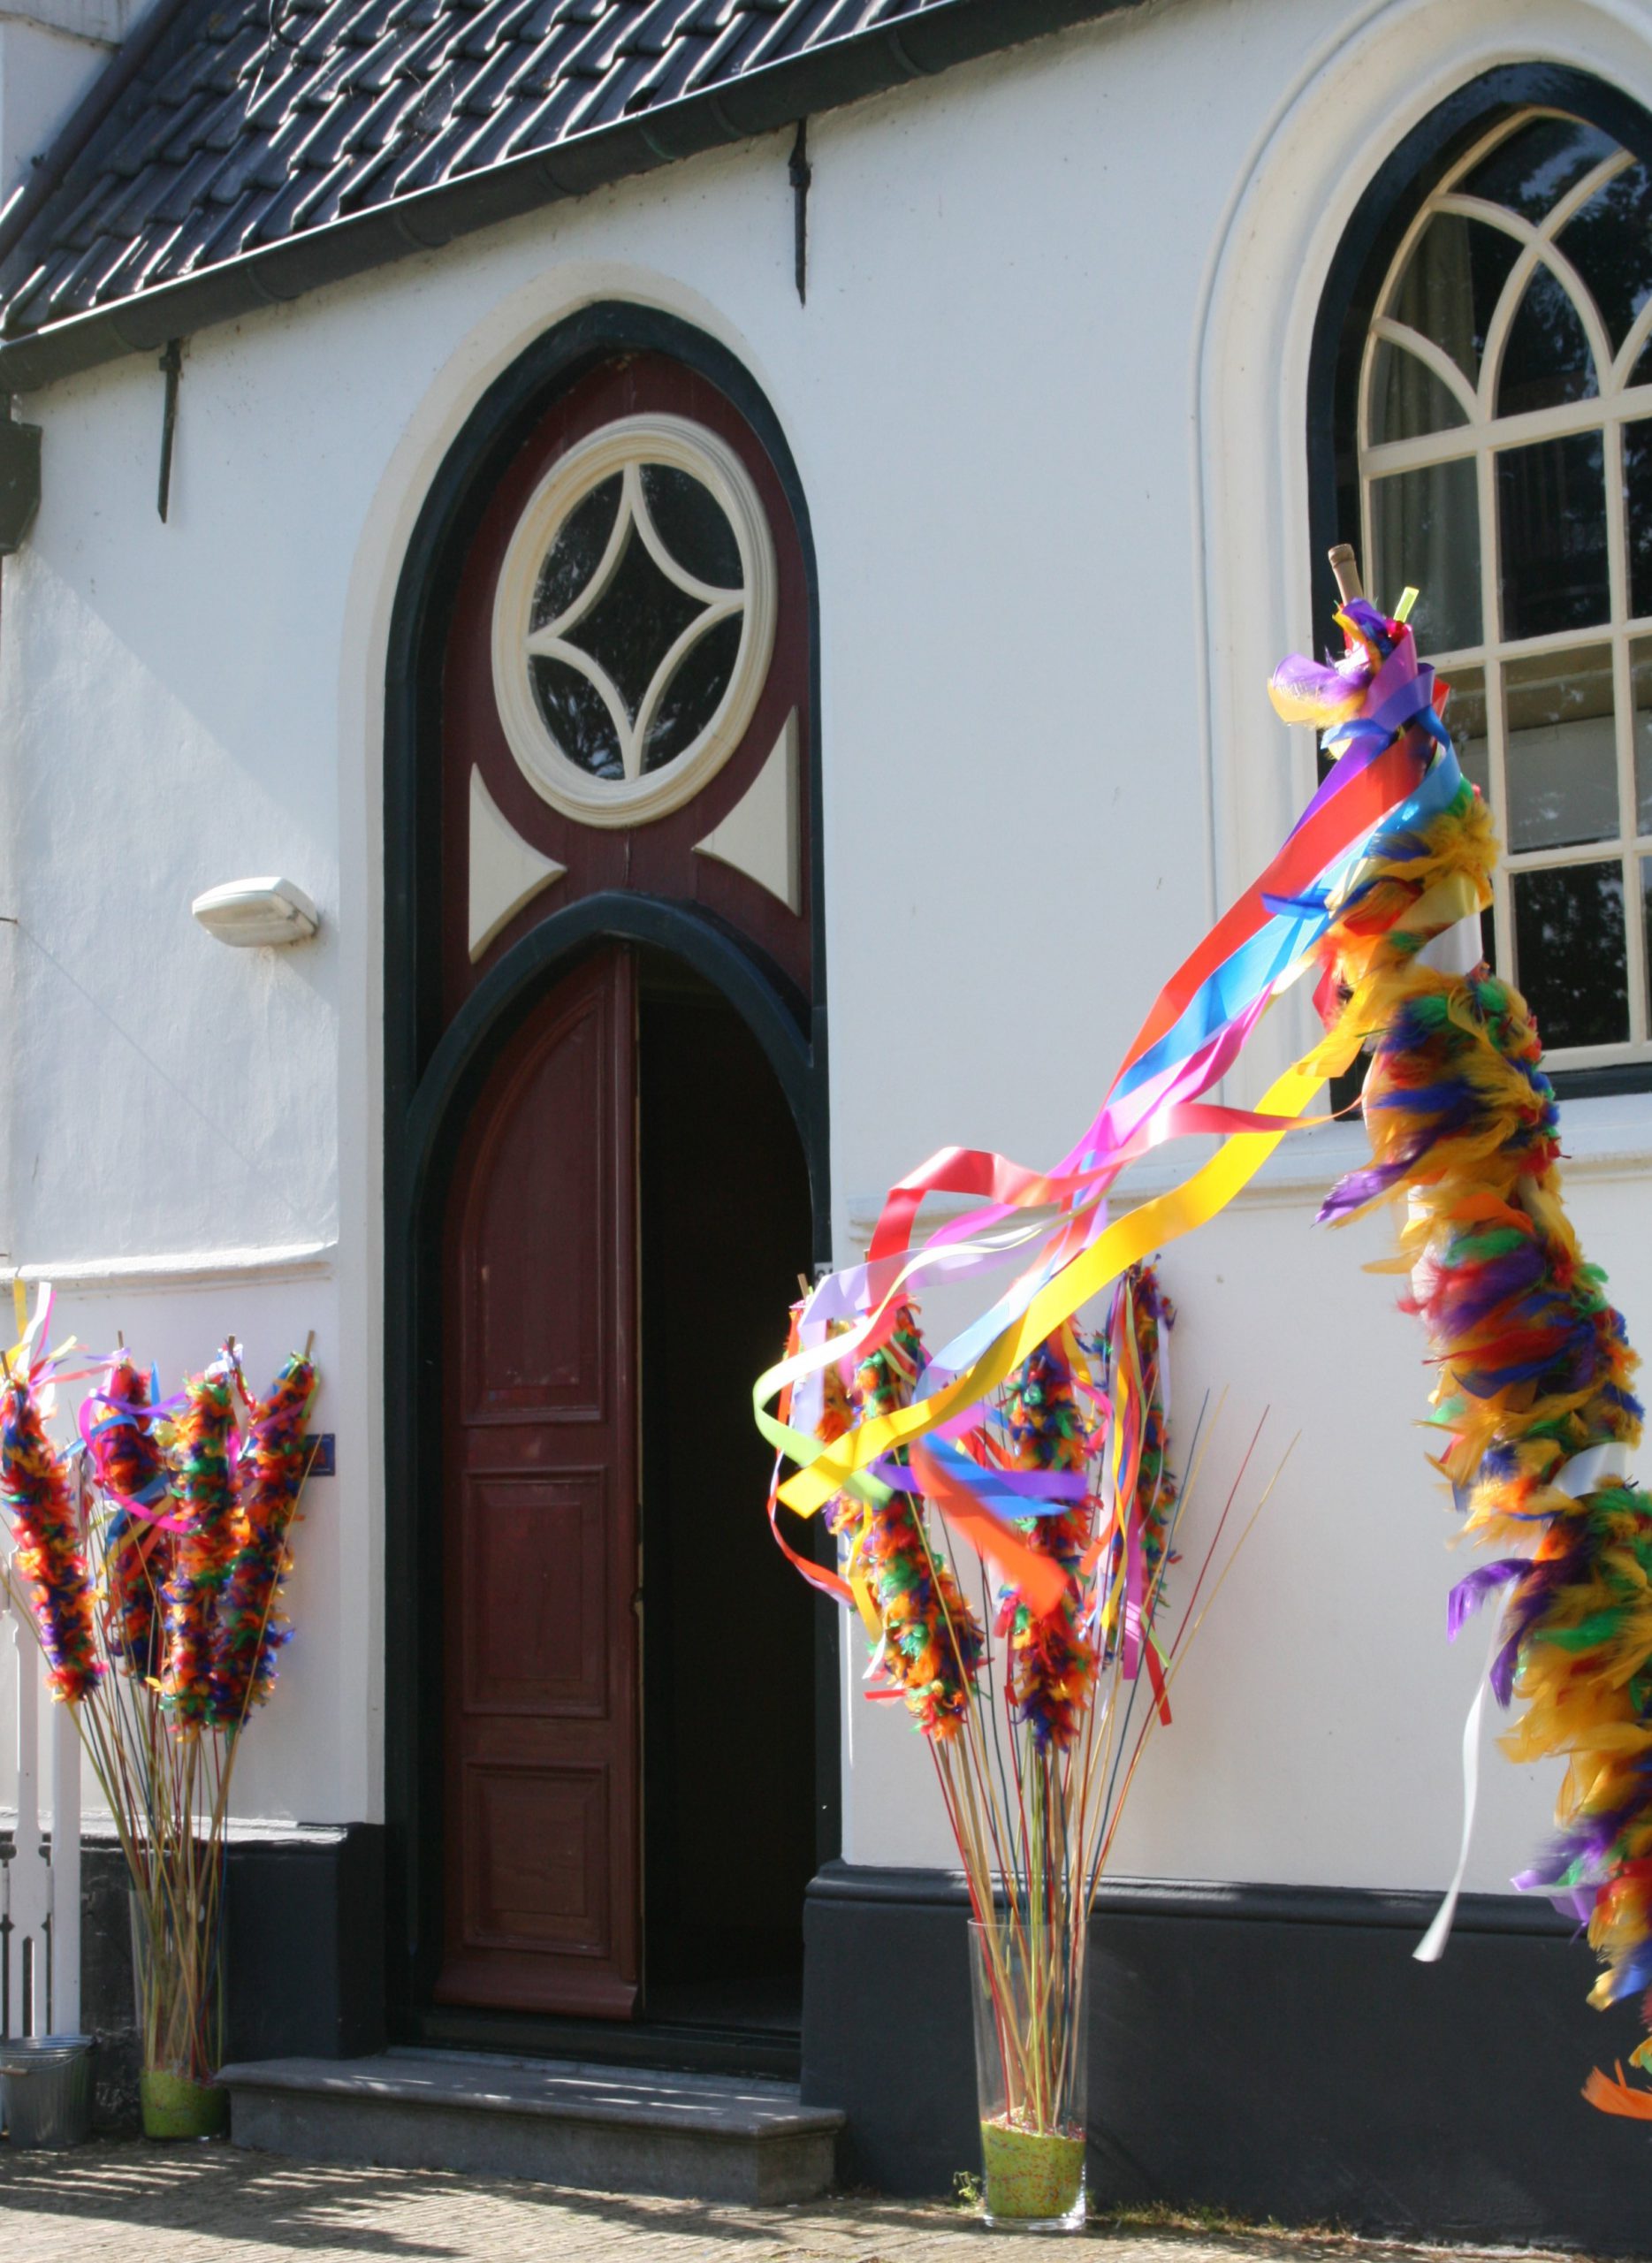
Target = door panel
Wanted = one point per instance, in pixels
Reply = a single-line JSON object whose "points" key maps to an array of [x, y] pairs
{"points": [[541, 1532]]}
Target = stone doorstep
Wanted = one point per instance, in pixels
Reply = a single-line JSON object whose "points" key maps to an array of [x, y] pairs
{"points": [[598, 2128]]}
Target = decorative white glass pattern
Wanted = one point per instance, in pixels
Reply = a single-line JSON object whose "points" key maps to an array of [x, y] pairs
{"points": [[1506, 463], [634, 620]]}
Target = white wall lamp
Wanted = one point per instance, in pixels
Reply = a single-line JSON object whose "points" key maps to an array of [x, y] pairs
{"points": [[257, 912]]}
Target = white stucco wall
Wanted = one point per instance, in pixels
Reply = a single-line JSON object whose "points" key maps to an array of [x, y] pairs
{"points": [[1047, 400]]}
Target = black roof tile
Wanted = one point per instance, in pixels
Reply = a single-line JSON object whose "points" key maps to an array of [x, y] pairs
{"points": [[232, 125], [539, 71]]}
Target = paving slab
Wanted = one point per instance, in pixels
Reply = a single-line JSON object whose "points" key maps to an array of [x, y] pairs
{"points": [[213, 2203]]}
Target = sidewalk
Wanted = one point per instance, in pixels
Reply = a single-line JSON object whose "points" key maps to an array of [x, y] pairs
{"points": [[204, 2202]]}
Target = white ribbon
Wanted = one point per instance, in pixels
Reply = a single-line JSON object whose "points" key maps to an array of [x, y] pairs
{"points": [[1586, 1472], [1431, 1947], [1457, 949]]}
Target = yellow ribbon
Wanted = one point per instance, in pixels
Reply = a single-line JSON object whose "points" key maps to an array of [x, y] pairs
{"points": [[830, 1469]]}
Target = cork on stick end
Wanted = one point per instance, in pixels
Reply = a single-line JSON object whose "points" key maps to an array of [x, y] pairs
{"points": [[1345, 566]]}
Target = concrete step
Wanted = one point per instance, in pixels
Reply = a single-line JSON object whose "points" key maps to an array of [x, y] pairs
{"points": [[598, 2128]]}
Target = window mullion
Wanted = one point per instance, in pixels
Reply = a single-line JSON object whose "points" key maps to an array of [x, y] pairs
{"points": [[1502, 900], [1623, 705]]}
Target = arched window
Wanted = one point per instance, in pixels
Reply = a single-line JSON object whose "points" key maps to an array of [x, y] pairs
{"points": [[1503, 454]]}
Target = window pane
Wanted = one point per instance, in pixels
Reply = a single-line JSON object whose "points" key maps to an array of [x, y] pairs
{"points": [[1465, 720], [1638, 510], [690, 699], [1452, 282], [1551, 511], [1406, 396], [1569, 953], [577, 717], [1425, 531], [635, 622], [1610, 244], [576, 552], [1533, 169], [1546, 358], [692, 524], [1640, 678], [1561, 758]]}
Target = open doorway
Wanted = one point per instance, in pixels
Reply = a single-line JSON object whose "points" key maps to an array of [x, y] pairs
{"points": [[728, 1677]]}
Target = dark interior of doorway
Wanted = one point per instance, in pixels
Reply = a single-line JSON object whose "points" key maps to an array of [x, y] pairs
{"points": [[728, 1677]]}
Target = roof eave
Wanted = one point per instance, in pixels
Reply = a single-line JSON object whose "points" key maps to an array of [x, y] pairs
{"points": [[737, 109]]}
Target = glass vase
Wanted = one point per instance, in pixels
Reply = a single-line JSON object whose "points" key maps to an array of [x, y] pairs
{"points": [[177, 1981], [1028, 1989]]}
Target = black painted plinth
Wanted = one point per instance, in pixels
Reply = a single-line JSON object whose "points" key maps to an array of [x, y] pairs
{"points": [[1271, 2050], [304, 1939]]}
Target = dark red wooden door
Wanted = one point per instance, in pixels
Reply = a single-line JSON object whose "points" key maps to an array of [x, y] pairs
{"points": [[543, 1879]]}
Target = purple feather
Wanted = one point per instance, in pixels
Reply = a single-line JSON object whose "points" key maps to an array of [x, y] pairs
{"points": [[1467, 1596]]}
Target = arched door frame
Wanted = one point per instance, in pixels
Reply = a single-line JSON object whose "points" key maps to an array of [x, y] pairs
{"points": [[433, 1075]]}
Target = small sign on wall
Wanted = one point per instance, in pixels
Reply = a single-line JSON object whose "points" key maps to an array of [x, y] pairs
{"points": [[318, 1445]]}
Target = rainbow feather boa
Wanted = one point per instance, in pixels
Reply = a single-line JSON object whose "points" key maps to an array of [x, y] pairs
{"points": [[930, 1641], [129, 1467], [206, 1546], [51, 1553], [1534, 1368], [270, 1474], [1052, 1662]]}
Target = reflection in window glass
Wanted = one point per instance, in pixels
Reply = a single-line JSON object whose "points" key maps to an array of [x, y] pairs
{"points": [[1407, 399], [576, 716], [1546, 357], [1560, 761], [576, 552], [692, 524], [1551, 524], [690, 698], [1533, 169], [1638, 512], [635, 622], [1570, 952], [1610, 244], [1465, 718], [1425, 533], [1641, 682], [1451, 284]]}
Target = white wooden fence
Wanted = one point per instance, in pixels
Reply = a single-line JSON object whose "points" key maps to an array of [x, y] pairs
{"points": [[40, 1899]]}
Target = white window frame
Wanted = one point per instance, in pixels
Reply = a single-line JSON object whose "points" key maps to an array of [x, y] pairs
{"points": [[1483, 437]]}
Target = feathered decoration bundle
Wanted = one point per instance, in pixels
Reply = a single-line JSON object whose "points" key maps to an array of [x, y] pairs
{"points": [[930, 1640], [188, 1542], [118, 1425], [1034, 1744], [1533, 1401], [1153, 1316], [270, 1475], [211, 1532], [49, 1552], [1052, 1661]]}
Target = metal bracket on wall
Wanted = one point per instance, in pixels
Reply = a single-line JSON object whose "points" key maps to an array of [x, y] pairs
{"points": [[172, 366], [800, 173]]}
